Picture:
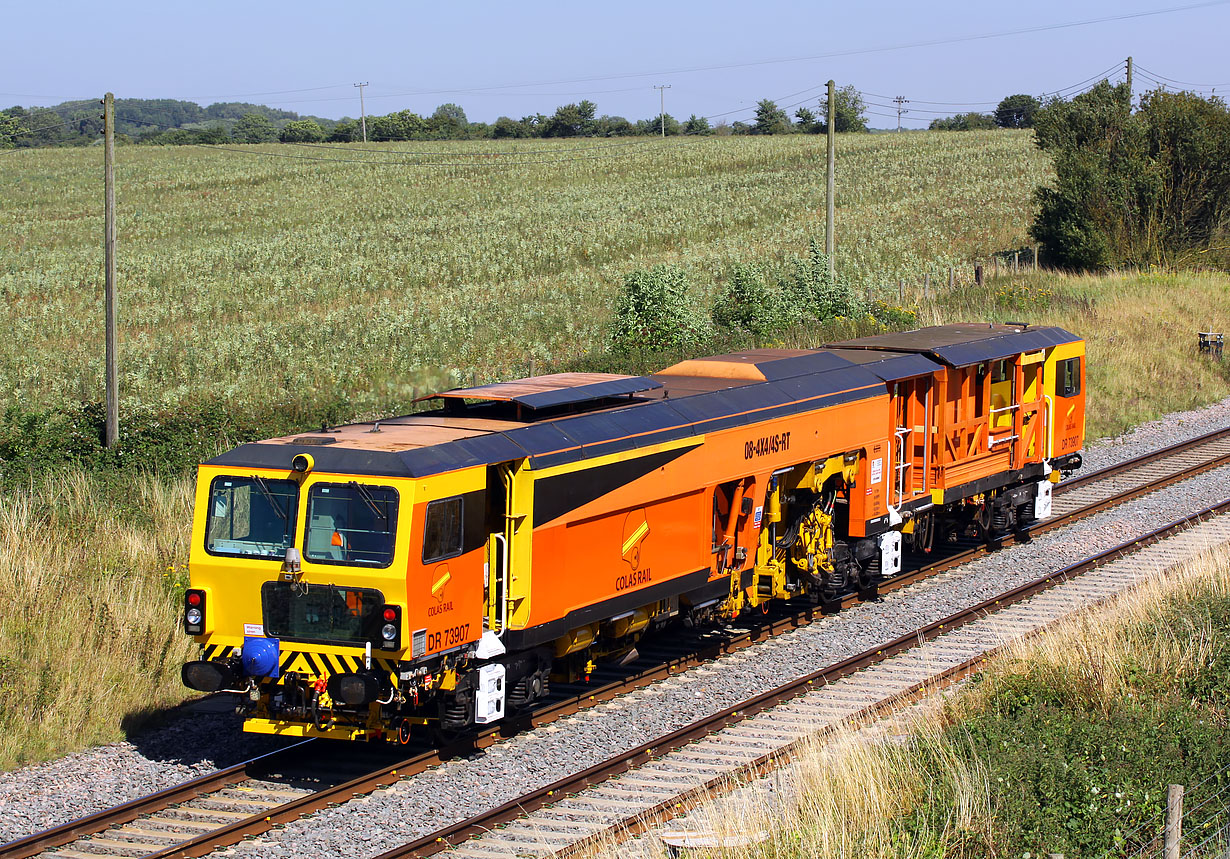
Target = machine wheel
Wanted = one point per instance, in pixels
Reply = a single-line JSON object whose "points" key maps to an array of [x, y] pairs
{"points": [[1025, 515]]}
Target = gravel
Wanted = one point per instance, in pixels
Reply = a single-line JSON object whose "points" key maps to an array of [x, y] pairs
{"points": [[187, 745], [36, 797]]}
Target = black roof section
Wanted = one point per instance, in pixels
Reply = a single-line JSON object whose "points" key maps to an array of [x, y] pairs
{"points": [[889, 366], [962, 345]]}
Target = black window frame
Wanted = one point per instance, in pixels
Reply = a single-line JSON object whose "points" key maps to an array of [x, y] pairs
{"points": [[1062, 389], [292, 516], [461, 528], [370, 634], [361, 565]]}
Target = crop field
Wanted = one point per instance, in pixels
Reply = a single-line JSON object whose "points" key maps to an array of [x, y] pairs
{"points": [[248, 279]]}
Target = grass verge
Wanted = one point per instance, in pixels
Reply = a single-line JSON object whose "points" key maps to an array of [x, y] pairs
{"points": [[89, 637]]}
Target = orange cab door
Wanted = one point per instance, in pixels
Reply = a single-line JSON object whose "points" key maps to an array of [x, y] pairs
{"points": [[1068, 395]]}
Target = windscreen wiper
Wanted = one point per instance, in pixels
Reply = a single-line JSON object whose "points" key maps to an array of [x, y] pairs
{"points": [[369, 500], [269, 496]]}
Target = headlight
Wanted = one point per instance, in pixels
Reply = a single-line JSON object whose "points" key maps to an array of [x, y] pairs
{"points": [[193, 616], [388, 632]]}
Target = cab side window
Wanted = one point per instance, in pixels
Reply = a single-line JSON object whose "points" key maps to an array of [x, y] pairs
{"points": [[442, 529], [1068, 378]]}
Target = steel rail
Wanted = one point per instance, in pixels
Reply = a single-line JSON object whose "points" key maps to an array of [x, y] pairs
{"points": [[792, 618], [39, 842], [480, 824], [1145, 459]]}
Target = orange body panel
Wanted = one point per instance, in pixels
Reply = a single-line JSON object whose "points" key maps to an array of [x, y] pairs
{"points": [[595, 553]]}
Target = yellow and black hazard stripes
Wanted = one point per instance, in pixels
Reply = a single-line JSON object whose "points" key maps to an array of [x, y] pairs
{"points": [[311, 663], [318, 664], [218, 651]]}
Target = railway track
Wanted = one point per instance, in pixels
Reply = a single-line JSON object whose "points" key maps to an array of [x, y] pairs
{"points": [[223, 808]]}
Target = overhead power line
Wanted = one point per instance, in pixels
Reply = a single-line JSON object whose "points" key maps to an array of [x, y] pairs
{"points": [[1171, 80]]}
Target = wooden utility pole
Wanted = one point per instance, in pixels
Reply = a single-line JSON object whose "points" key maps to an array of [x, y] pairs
{"points": [[362, 110], [662, 106], [113, 393], [1129, 80], [901, 101], [1174, 821], [829, 188]]}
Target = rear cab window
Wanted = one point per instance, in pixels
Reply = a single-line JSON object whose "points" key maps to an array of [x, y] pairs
{"points": [[353, 524], [1068, 377], [251, 517]]}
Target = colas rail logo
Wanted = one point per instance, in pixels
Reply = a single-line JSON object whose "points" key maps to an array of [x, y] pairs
{"points": [[636, 529], [442, 578]]}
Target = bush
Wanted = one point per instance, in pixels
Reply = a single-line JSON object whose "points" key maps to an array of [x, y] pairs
{"points": [[1150, 188], [655, 311], [810, 294], [747, 304]]}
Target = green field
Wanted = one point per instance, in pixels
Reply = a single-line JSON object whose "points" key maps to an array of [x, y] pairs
{"points": [[258, 280]]}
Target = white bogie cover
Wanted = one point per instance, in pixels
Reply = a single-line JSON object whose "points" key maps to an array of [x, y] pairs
{"points": [[1042, 500], [890, 553], [489, 696]]}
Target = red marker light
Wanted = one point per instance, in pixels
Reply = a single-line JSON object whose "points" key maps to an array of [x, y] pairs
{"points": [[194, 599], [390, 614]]}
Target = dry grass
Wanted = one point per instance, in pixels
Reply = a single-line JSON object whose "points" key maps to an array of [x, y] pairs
{"points": [[89, 635]]}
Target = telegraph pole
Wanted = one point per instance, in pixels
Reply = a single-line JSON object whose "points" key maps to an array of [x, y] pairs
{"points": [[901, 102], [829, 186], [113, 395], [662, 106], [1129, 81], [362, 110]]}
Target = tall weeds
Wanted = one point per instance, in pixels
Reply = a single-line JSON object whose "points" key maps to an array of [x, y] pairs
{"points": [[89, 636]]}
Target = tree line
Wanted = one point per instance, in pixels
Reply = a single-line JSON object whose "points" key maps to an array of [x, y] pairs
{"points": [[171, 121], [1135, 185]]}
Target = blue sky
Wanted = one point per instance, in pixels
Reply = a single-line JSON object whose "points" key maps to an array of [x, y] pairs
{"points": [[719, 58]]}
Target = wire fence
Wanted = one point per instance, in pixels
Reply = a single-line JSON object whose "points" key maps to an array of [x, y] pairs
{"points": [[1202, 830]]}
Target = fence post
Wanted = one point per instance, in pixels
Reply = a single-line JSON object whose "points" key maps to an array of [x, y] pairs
{"points": [[1035, 258], [927, 285], [1016, 262], [1174, 820], [996, 266], [952, 278], [900, 291]]}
